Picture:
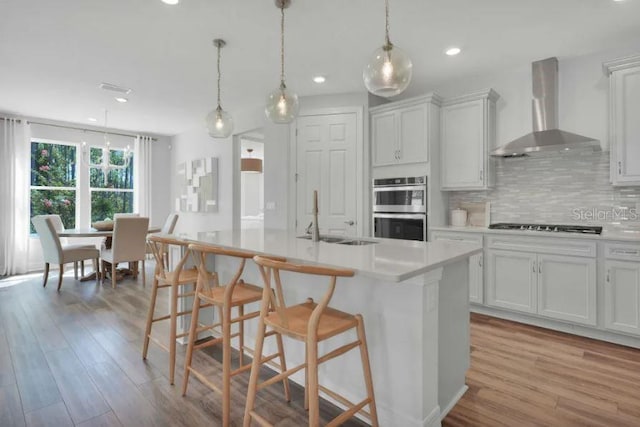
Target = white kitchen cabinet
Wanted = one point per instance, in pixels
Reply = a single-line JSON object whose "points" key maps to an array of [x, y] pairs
{"points": [[476, 263], [401, 131], [567, 288], [624, 126], [551, 278], [467, 134], [622, 296], [512, 280]]}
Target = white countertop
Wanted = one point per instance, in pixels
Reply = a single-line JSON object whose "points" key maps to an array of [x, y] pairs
{"points": [[607, 234], [389, 260]]}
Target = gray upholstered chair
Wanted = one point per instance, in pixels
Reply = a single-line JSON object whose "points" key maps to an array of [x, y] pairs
{"points": [[59, 226], [54, 252], [128, 245]]}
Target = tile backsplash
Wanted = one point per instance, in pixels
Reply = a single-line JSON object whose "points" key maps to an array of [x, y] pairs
{"points": [[566, 188]]}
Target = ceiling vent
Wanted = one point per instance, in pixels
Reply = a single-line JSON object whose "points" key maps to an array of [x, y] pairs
{"points": [[115, 88]]}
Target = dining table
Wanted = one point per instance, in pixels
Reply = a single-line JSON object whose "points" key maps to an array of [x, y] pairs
{"points": [[108, 235]]}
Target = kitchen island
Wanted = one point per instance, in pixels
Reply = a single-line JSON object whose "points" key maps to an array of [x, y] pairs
{"points": [[414, 300]]}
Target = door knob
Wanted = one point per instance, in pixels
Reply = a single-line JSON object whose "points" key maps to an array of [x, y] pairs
{"points": [[349, 222]]}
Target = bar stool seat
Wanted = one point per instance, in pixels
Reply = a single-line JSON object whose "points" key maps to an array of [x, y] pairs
{"points": [[184, 277], [243, 293], [332, 322]]}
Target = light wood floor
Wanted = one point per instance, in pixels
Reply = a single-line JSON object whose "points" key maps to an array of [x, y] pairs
{"points": [[73, 358], [526, 376]]}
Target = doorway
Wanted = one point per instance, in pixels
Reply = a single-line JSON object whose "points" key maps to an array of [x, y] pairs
{"points": [[252, 179]]}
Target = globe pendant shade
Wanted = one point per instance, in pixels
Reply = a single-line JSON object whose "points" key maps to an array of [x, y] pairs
{"points": [[388, 72], [219, 123], [282, 106]]}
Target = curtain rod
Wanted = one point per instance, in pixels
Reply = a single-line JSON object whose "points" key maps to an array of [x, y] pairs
{"points": [[77, 128]]}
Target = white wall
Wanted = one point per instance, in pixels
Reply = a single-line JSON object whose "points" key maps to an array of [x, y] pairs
{"points": [[197, 144]]}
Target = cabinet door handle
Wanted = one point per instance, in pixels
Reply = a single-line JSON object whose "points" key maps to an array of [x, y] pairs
{"points": [[625, 252], [620, 168], [399, 154], [534, 266], [609, 276], [480, 261], [481, 175], [540, 267]]}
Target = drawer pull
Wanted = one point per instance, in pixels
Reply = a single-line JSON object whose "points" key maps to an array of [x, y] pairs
{"points": [[609, 276], [626, 252]]}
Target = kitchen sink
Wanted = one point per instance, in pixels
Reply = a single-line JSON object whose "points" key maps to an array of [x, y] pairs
{"points": [[326, 239], [341, 240], [356, 242]]}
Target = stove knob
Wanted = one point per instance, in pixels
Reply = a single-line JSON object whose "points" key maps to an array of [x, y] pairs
{"points": [[522, 227], [555, 229], [547, 228], [538, 228], [531, 227]]}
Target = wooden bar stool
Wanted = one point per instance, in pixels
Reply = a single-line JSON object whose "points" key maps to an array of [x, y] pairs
{"points": [[310, 323], [176, 280], [236, 293]]}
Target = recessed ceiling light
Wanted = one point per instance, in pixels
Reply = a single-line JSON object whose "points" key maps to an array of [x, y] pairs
{"points": [[121, 99], [453, 51], [92, 119], [319, 79], [171, 2]]}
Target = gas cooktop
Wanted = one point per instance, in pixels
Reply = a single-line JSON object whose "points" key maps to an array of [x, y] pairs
{"points": [[548, 227]]}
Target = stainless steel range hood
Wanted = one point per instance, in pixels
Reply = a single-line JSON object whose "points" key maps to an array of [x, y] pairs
{"points": [[545, 136]]}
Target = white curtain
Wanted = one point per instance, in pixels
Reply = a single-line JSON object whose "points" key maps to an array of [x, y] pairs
{"points": [[15, 169], [142, 175]]}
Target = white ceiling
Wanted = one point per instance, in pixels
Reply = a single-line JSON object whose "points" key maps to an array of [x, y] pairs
{"points": [[53, 54]]}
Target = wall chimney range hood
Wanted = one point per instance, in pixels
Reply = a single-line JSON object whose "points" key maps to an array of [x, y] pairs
{"points": [[545, 136]]}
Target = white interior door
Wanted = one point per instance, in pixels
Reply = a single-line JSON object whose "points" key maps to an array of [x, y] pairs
{"points": [[326, 162]]}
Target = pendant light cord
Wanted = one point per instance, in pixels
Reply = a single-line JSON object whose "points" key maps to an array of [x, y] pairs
{"points": [[386, 28], [282, 85], [219, 77]]}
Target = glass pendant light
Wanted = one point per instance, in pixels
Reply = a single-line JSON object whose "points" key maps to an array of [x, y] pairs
{"points": [[282, 104], [388, 72], [219, 122]]}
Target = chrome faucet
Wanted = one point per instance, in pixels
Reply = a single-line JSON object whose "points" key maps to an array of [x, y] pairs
{"points": [[315, 231]]}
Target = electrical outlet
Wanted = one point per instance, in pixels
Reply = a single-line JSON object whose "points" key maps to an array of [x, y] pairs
{"points": [[271, 206]]}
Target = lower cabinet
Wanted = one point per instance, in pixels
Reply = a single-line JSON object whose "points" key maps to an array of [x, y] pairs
{"points": [[567, 288], [622, 296], [512, 280], [556, 286]]}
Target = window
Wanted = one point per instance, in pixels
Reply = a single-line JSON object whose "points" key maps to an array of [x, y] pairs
{"points": [[112, 192], [58, 183], [53, 181]]}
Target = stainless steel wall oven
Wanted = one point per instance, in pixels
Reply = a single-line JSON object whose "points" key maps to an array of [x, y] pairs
{"points": [[400, 208]]}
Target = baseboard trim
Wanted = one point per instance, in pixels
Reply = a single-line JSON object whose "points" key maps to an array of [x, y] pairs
{"points": [[453, 401], [597, 334]]}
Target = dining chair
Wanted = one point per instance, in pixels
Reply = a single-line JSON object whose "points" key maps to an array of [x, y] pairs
{"points": [[125, 215], [59, 227], [168, 228], [310, 323], [128, 245], [54, 252]]}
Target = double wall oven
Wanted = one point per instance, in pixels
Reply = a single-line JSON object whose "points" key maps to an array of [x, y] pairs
{"points": [[400, 208]]}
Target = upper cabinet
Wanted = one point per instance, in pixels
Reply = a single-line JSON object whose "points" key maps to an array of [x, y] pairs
{"points": [[467, 133], [624, 126], [401, 131]]}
